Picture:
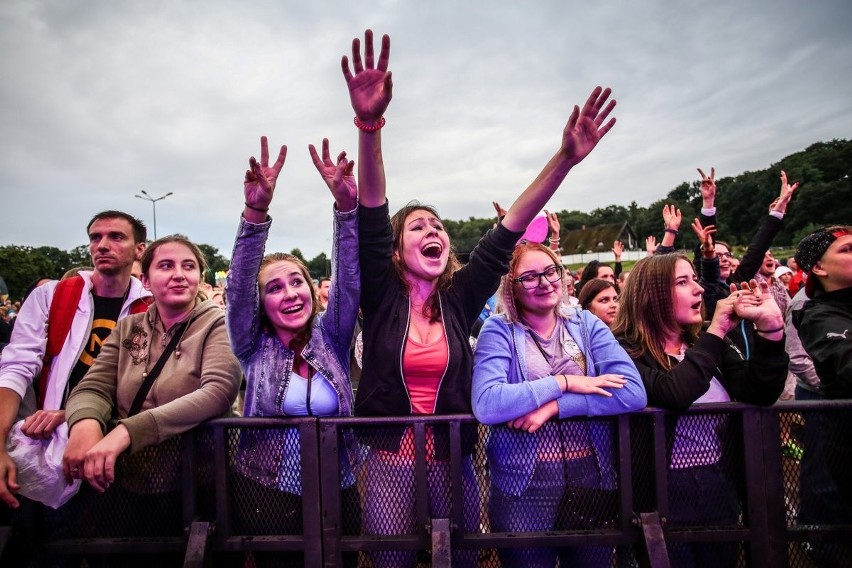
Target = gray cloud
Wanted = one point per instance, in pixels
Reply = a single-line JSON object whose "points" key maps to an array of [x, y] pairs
{"points": [[102, 99]]}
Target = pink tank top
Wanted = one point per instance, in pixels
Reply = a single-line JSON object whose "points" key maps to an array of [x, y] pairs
{"points": [[423, 366]]}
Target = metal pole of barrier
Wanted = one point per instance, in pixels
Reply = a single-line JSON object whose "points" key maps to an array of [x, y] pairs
{"points": [[421, 489], [765, 487], [456, 484], [220, 459], [329, 465], [655, 540], [188, 477], [661, 478], [196, 547], [625, 468], [311, 495], [441, 548]]}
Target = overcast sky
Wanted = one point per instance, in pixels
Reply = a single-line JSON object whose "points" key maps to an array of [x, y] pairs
{"points": [[101, 99]]}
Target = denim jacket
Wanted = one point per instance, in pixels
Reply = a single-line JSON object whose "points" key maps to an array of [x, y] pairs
{"points": [[502, 392], [267, 363]]}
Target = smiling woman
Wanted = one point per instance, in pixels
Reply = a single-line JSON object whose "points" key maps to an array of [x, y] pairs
{"points": [[536, 361], [160, 373], [295, 358]]}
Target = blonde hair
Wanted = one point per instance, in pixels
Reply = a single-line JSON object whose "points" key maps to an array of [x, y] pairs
{"points": [[507, 302], [645, 315]]}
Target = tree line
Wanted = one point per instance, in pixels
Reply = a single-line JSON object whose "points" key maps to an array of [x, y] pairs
{"points": [[825, 197]]}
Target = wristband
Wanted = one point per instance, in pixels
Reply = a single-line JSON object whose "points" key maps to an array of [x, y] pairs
{"points": [[258, 209], [672, 231], [769, 330], [554, 241], [370, 127], [565, 378]]}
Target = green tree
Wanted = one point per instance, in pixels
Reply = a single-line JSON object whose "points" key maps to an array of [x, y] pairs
{"points": [[215, 262], [319, 266], [22, 265]]}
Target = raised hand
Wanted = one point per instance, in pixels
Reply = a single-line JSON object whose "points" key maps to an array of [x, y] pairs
{"points": [[755, 303], [672, 217], [552, 223], [338, 176], [783, 200], [370, 84], [708, 188], [617, 250], [586, 127], [705, 237], [500, 211], [651, 245], [259, 184]]}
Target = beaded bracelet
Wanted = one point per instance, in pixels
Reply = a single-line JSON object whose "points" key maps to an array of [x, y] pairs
{"points": [[370, 127]]}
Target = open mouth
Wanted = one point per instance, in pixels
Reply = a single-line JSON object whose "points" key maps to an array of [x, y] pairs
{"points": [[432, 250], [292, 309], [696, 306]]}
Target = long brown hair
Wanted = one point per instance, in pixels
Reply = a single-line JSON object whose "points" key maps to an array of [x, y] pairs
{"points": [[506, 301], [646, 309], [301, 338], [591, 290], [432, 304]]}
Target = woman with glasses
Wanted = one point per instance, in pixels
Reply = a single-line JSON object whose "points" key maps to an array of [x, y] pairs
{"points": [[535, 361]]}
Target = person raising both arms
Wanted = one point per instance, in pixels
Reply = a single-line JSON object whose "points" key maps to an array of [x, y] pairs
{"points": [[419, 307]]}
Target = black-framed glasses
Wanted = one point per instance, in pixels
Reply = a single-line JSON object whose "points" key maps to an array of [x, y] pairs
{"points": [[532, 280], [725, 255]]}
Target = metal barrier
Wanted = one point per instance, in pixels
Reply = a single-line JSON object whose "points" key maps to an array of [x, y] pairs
{"points": [[421, 489]]}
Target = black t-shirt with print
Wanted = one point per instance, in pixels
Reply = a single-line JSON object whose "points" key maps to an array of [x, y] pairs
{"points": [[105, 317]]}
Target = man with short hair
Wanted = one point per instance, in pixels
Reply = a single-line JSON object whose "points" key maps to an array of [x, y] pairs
{"points": [[109, 293], [323, 287]]}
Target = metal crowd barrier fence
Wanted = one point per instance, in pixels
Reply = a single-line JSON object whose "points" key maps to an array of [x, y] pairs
{"points": [[736, 484]]}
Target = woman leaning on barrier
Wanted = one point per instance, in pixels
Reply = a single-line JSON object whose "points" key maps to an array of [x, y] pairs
{"points": [[160, 373], [659, 323], [295, 358], [535, 361]]}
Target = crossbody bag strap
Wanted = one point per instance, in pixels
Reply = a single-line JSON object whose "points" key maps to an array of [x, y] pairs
{"points": [[155, 372]]}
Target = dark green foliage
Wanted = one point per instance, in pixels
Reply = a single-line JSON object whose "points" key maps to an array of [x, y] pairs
{"points": [[825, 197]]}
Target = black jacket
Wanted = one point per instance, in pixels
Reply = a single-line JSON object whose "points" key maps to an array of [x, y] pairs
{"points": [[825, 328], [385, 305], [759, 380]]}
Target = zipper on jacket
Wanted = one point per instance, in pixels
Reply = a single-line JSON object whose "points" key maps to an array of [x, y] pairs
{"points": [[447, 339]]}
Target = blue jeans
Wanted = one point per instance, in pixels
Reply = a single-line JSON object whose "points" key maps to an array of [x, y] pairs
{"points": [[389, 504], [702, 495], [543, 507]]}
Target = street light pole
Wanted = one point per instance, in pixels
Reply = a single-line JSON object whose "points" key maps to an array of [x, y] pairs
{"points": [[153, 201]]}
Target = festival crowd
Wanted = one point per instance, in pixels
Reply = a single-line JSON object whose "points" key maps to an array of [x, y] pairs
{"points": [[122, 357]]}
